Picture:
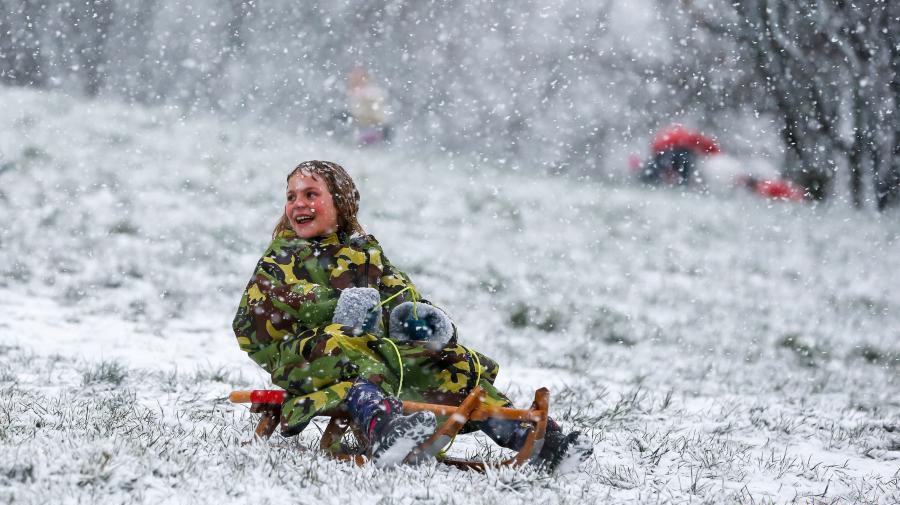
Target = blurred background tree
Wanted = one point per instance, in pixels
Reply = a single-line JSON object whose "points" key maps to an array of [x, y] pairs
{"points": [[566, 86], [827, 69]]}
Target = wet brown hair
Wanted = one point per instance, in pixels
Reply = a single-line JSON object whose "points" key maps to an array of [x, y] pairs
{"points": [[343, 193]]}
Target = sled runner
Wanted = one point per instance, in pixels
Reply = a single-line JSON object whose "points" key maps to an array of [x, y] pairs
{"points": [[268, 403]]}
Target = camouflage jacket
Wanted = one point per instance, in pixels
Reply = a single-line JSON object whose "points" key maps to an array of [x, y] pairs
{"points": [[298, 281]]}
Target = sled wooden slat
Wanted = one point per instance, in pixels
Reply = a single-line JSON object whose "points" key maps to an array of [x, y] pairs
{"points": [[483, 412], [535, 439], [271, 417], [268, 403], [540, 411], [445, 432], [333, 434]]}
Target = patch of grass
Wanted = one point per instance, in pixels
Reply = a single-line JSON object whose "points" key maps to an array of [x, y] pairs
{"points": [[34, 152], [871, 354], [494, 281], [620, 476], [610, 327], [629, 405], [524, 315], [118, 139], [17, 272], [110, 372], [123, 228], [652, 445], [8, 409], [7, 165], [780, 423], [573, 405], [8, 376], [19, 472], [837, 434], [169, 380], [136, 309], [220, 373], [95, 469], [6, 349], [74, 294], [807, 354], [25, 122], [488, 202], [872, 306], [23, 357]]}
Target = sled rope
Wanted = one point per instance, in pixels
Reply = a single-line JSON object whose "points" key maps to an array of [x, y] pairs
{"points": [[477, 361], [395, 295], [399, 360], [443, 452], [396, 350]]}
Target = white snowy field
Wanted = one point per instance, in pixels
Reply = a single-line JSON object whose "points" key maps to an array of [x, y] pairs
{"points": [[718, 349]]}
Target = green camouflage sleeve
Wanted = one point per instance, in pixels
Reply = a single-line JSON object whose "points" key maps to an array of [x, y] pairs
{"points": [[288, 293]]}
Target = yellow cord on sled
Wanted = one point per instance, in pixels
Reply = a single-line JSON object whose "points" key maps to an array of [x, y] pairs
{"points": [[396, 350], [400, 361]]}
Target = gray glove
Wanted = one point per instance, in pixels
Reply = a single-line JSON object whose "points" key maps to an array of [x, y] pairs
{"points": [[432, 324], [358, 308]]}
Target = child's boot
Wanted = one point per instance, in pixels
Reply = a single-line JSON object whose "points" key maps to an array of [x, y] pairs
{"points": [[393, 437], [390, 435], [563, 453], [559, 453]]}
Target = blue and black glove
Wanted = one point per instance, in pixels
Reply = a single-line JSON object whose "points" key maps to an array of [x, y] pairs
{"points": [[421, 322], [360, 309]]}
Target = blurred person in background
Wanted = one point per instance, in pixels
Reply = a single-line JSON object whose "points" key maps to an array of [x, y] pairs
{"points": [[674, 156], [367, 104]]}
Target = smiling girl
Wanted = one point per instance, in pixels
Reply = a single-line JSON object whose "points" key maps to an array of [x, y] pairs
{"points": [[336, 325]]}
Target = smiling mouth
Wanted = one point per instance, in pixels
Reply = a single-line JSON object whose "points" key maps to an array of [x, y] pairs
{"points": [[303, 219]]}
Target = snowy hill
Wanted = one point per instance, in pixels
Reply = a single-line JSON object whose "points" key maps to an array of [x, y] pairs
{"points": [[720, 349]]}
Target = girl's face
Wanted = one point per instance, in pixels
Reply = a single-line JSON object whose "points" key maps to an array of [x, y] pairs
{"points": [[309, 207]]}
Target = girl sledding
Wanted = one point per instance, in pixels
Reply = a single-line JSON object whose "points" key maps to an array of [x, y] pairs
{"points": [[340, 329]]}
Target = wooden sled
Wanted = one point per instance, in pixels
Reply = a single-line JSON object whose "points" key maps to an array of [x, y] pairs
{"points": [[268, 403]]}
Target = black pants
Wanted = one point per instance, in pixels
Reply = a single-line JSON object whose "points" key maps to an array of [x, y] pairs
{"points": [[673, 166]]}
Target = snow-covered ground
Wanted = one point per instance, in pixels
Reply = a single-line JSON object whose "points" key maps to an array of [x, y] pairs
{"points": [[718, 348]]}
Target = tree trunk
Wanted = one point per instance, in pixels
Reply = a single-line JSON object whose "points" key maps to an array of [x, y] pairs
{"points": [[20, 48], [774, 62], [861, 129], [856, 158], [887, 183]]}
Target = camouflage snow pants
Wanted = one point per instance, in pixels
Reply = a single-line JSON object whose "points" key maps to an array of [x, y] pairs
{"points": [[318, 367]]}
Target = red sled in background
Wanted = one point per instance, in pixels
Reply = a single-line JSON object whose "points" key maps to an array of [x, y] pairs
{"points": [[776, 189]]}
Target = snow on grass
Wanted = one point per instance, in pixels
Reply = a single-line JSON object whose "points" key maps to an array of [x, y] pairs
{"points": [[716, 348]]}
